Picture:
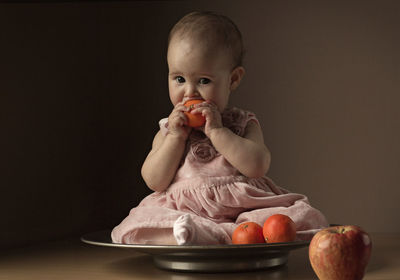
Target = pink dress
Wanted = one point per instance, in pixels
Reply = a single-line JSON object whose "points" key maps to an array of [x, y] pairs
{"points": [[209, 198]]}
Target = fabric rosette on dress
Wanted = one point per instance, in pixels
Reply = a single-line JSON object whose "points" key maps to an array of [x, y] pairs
{"points": [[203, 151], [236, 120]]}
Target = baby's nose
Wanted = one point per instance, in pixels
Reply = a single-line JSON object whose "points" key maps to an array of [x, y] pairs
{"points": [[191, 91]]}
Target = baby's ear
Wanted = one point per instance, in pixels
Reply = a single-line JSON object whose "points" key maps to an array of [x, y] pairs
{"points": [[236, 77]]}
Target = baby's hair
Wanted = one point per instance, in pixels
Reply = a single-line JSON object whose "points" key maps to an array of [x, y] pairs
{"points": [[212, 28]]}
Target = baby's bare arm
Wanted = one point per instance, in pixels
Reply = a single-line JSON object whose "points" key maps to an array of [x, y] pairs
{"points": [[161, 164], [248, 154]]}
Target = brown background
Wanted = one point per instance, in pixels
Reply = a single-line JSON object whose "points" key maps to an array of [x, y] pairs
{"points": [[83, 85]]}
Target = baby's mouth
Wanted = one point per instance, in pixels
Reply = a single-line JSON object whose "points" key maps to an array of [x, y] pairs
{"points": [[191, 98]]}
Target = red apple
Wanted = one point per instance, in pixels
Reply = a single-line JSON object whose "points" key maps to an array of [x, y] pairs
{"points": [[340, 252]]}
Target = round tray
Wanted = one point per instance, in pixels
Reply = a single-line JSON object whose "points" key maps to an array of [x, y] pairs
{"points": [[206, 258]]}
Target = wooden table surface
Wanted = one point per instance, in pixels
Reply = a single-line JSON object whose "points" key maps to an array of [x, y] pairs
{"points": [[72, 259]]}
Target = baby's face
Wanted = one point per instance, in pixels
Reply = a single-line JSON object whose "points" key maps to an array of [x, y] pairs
{"points": [[196, 71]]}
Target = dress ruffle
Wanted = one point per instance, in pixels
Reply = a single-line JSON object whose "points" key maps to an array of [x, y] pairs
{"points": [[209, 194], [225, 201]]}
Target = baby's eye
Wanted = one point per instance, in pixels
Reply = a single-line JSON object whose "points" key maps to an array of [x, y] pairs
{"points": [[204, 81], [180, 79]]}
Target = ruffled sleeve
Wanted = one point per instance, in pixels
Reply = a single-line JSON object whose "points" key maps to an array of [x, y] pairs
{"points": [[251, 117], [163, 123], [237, 119]]}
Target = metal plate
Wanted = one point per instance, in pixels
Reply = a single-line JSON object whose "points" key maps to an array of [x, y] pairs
{"points": [[209, 258]]}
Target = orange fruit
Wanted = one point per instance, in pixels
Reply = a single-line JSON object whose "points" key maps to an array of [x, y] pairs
{"points": [[279, 228], [248, 233], [194, 120]]}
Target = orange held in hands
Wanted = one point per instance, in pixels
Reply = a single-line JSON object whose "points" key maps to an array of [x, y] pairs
{"points": [[194, 120], [279, 228], [248, 233]]}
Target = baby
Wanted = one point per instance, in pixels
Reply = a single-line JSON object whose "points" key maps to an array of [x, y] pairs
{"points": [[208, 180]]}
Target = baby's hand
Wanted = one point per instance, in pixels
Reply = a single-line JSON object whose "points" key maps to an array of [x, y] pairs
{"points": [[177, 122], [213, 117]]}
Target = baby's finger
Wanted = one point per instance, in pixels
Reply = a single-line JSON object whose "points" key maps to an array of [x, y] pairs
{"points": [[203, 107], [183, 117], [177, 115], [208, 112], [197, 110], [210, 104], [183, 120], [181, 108]]}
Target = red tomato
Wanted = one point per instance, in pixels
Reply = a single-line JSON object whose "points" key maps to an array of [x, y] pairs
{"points": [[279, 228], [248, 233]]}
